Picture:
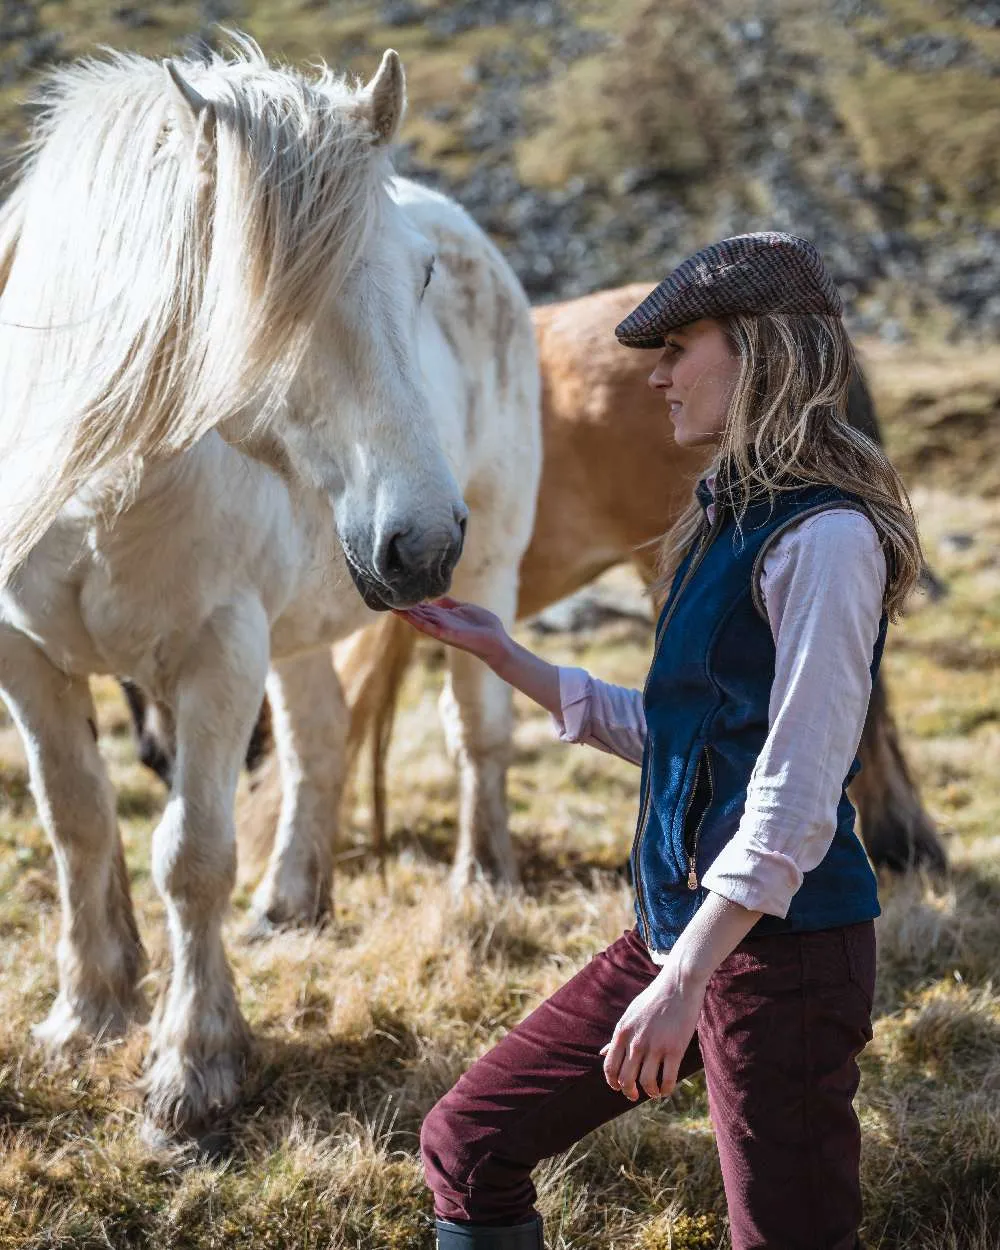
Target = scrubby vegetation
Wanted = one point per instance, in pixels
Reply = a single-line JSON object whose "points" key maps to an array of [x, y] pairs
{"points": [[601, 140]]}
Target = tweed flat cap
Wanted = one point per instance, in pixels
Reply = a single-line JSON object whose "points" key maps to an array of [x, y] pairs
{"points": [[769, 272]]}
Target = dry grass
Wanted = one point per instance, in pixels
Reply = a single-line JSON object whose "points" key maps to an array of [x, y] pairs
{"points": [[350, 35], [928, 133], [359, 1030], [656, 100]]}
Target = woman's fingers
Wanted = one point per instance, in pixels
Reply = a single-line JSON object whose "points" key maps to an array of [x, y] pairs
{"points": [[428, 625], [425, 612], [457, 624], [649, 1075], [418, 619], [444, 618], [614, 1054], [632, 1068], [629, 1072]]}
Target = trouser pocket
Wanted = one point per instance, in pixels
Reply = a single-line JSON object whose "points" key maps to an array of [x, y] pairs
{"points": [[859, 950]]}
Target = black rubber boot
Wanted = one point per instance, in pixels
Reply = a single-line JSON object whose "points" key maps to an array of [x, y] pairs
{"points": [[490, 1236]]}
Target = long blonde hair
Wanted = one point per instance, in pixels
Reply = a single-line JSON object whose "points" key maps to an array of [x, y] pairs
{"points": [[787, 424]]}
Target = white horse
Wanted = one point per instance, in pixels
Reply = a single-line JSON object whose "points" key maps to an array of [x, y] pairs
{"points": [[225, 397]]}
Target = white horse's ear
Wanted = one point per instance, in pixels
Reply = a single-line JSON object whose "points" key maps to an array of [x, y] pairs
{"points": [[195, 115], [385, 97]]}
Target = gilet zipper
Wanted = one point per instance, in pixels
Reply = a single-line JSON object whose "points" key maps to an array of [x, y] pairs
{"points": [[708, 537], [691, 849]]}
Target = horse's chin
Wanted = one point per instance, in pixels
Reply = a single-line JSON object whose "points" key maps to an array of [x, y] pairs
{"points": [[382, 598], [373, 593]]}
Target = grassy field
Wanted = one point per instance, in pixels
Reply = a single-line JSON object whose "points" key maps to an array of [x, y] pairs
{"points": [[360, 1028]]}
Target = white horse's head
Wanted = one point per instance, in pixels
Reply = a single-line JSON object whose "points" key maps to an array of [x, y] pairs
{"points": [[353, 419], [215, 245]]}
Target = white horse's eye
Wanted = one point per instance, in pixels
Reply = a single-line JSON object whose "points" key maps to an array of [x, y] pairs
{"points": [[428, 273]]}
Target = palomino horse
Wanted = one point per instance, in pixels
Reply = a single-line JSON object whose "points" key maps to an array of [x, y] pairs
{"points": [[612, 480], [228, 381]]}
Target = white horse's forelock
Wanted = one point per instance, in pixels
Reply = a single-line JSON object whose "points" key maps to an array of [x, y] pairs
{"points": [[164, 272]]}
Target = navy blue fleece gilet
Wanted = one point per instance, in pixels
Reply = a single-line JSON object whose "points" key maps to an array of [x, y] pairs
{"points": [[706, 703]]}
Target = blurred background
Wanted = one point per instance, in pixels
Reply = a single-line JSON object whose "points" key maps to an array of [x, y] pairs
{"points": [[600, 141]]}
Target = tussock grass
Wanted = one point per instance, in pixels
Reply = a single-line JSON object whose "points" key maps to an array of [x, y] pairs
{"points": [[656, 100], [666, 97], [937, 402], [938, 126]]}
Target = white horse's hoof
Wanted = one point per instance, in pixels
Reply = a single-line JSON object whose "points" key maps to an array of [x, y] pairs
{"points": [[178, 1148], [469, 871], [184, 1096], [260, 929], [272, 911], [70, 1026]]}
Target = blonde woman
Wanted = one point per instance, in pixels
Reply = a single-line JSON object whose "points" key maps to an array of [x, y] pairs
{"points": [[753, 952]]}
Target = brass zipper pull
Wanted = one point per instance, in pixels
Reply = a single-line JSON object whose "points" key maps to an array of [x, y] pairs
{"points": [[692, 875]]}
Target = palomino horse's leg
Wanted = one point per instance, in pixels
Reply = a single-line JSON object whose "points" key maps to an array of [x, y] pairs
{"points": [[100, 956], [476, 712], [309, 721], [199, 1038], [895, 827]]}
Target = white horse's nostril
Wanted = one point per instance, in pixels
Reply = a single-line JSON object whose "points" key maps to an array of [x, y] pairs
{"points": [[391, 558]]}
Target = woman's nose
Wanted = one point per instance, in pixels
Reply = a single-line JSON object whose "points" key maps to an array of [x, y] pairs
{"points": [[659, 379]]}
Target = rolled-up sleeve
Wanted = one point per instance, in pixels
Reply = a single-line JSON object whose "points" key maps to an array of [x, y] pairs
{"points": [[823, 584], [600, 714]]}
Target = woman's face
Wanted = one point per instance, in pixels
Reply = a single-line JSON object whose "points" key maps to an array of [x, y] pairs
{"points": [[696, 375]]}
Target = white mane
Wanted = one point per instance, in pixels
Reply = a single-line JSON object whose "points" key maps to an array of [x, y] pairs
{"points": [[163, 271]]}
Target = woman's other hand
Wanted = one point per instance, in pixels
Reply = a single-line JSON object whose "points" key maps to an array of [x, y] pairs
{"points": [[463, 625], [650, 1039]]}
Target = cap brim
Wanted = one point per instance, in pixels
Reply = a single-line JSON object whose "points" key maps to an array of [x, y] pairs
{"points": [[639, 328], [639, 340]]}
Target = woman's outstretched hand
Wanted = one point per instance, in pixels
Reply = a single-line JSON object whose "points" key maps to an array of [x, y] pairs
{"points": [[463, 625], [476, 630]]}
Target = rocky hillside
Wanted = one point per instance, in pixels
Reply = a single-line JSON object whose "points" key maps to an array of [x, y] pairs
{"points": [[602, 140]]}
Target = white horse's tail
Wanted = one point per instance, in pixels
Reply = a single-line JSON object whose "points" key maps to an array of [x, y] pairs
{"points": [[371, 667]]}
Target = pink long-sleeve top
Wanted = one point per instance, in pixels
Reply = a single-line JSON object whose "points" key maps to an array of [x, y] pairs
{"points": [[822, 583]]}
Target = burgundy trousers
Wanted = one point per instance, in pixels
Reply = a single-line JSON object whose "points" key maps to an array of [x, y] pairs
{"points": [[783, 1022]]}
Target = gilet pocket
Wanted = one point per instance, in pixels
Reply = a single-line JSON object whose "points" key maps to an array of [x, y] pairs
{"points": [[699, 801]]}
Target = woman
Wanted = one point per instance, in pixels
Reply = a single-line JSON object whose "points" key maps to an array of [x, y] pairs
{"points": [[753, 954]]}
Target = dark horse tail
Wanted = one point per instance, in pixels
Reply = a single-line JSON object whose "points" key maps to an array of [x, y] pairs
{"points": [[897, 831]]}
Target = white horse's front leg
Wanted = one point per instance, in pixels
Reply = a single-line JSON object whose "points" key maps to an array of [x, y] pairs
{"points": [[199, 1038], [310, 734], [476, 711], [100, 956]]}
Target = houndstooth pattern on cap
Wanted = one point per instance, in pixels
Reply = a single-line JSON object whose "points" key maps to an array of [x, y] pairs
{"points": [[766, 272]]}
